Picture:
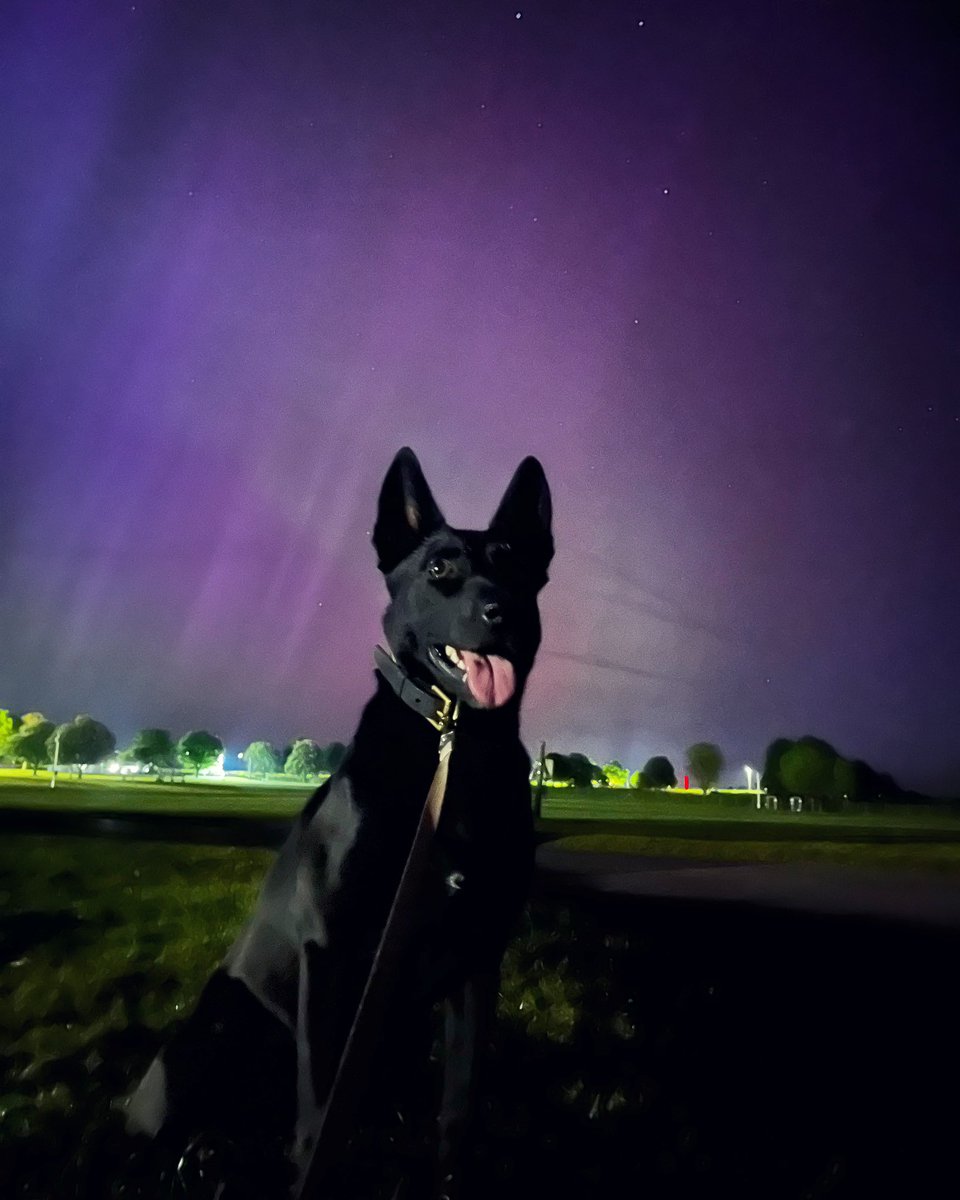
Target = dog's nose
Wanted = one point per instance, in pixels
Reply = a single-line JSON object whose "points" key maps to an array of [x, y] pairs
{"points": [[491, 614]]}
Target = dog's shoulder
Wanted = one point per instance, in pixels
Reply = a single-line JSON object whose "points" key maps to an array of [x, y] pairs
{"points": [[331, 818]]}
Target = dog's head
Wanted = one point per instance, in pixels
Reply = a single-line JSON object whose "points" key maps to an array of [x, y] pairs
{"points": [[463, 603]]}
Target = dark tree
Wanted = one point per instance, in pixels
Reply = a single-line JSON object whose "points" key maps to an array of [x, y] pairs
{"points": [[199, 749], [706, 763], [285, 753], [887, 787], [261, 759], [82, 742], [659, 772], [819, 744], [304, 760], [28, 745], [575, 769], [807, 769], [332, 756], [152, 748], [558, 767], [585, 770], [770, 779]]}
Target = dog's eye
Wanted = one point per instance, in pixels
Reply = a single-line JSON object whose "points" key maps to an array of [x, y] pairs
{"points": [[499, 551], [440, 568]]}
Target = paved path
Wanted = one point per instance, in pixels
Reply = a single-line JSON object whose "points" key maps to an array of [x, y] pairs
{"points": [[805, 887]]}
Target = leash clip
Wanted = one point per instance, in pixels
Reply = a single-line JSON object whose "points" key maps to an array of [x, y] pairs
{"points": [[447, 726], [446, 743]]}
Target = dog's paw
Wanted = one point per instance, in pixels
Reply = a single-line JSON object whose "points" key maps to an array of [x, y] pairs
{"points": [[447, 1189]]}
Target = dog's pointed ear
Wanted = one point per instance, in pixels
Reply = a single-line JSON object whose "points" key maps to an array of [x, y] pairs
{"points": [[525, 513], [406, 513]]}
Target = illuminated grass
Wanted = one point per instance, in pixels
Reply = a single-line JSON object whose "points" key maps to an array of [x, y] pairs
{"points": [[192, 797], [723, 809], [722, 815], [103, 942]]}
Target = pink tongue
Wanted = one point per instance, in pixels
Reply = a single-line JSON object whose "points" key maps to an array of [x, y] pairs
{"points": [[490, 678]]}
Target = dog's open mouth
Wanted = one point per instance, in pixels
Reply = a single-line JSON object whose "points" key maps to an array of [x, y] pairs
{"points": [[489, 678]]}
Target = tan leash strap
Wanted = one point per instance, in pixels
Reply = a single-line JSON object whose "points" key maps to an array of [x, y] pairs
{"points": [[341, 1105]]}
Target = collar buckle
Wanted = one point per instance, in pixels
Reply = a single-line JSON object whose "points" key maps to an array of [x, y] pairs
{"points": [[441, 712], [444, 720]]}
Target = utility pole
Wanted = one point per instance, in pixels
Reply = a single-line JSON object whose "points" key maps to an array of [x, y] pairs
{"points": [[538, 808]]}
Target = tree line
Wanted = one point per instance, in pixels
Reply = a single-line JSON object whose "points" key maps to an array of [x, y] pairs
{"points": [[33, 741], [302, 758], [577, 770], [808, 767], [812, 768]]}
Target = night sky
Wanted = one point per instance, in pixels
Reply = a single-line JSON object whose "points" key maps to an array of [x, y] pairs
{"points": [[700, 258]]}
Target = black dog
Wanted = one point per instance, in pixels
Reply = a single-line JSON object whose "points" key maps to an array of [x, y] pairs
{"points": [[262, 1047]]}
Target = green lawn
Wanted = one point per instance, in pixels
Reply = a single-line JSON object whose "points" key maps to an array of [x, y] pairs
{"points": [[191, 797], [105, 944], [728, 827], [724, 809], [102, 943], [720, 827], [628, 1057]]}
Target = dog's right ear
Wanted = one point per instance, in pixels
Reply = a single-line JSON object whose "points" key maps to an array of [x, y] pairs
{"points": [[525, 515], [406, 513]]}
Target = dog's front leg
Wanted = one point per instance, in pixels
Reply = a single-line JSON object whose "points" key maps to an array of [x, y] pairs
{"points": [[310, 1055], [468, 1019]]}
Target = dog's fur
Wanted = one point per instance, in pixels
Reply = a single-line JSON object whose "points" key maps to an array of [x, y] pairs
{"points": [[266, 1036]]}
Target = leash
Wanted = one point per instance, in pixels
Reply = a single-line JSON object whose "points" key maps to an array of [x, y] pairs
{"points": [[342, 1100]]}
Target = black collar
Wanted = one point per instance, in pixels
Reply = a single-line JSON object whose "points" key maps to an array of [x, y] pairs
{"points": [[434, 705]]}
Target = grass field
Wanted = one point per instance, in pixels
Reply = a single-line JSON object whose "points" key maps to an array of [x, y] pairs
{"points": [[190, 797], [720, 827], [737, 808], [628, 1057], [729, 828], [104, 945]]}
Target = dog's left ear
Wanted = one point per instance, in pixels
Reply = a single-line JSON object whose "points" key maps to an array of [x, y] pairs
{"points": [[406, 513], [526, 512]]}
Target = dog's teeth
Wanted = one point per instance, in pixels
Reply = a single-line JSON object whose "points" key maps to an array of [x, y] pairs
{"points": [[454, 657]]}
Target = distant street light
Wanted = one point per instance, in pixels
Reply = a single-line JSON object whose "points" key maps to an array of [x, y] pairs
{"points": [[56, 758], [750, 770]]}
